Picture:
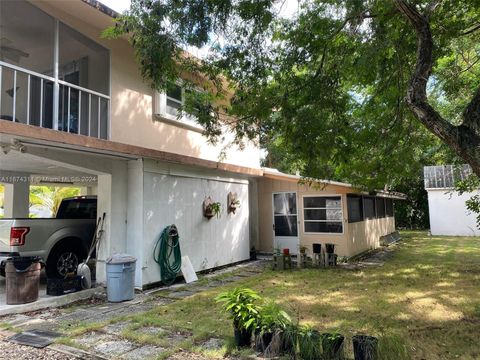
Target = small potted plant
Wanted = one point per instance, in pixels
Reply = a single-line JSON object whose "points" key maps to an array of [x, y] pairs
{"points": [[211, 208], [233, 202], [241, 305], [309, 343], [332, 345], [302, 257], [278, 259], [365, 347], [253, 253], [271, 319], [303, 250], [289, 339]]}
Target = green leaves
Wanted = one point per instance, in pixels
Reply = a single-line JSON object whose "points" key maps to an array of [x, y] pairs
{"points": [[241, 305], [248, 312], [324, 89]]}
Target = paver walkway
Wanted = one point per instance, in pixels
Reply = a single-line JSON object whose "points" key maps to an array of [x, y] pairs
{"points": [[107, 342]]}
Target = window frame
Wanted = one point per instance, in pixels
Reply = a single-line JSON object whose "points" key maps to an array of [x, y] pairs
{"points": [[341, 221], [365, 218], [387, 214], [185, 120], [380, 199], [362, 217], [295, 215]]}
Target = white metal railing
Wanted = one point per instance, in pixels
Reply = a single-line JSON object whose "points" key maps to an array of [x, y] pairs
{"points": [[91, 117]]}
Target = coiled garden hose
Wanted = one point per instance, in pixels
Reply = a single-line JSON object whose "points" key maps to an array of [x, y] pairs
{"points": [[168, 255]]}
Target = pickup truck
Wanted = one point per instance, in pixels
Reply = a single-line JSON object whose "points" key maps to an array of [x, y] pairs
{"points": [[62, 242]]}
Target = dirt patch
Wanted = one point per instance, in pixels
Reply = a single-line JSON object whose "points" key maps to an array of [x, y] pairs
{"points": [[177, 337], [186, 356]]}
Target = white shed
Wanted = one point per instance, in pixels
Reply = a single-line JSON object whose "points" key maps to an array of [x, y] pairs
{"points": [[448, 212]]}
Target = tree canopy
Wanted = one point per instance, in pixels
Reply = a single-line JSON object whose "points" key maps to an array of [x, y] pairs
{"points": [[351, 90]]}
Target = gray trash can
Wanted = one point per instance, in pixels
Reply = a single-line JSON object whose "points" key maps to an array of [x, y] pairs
{"points": [[120, 277]]}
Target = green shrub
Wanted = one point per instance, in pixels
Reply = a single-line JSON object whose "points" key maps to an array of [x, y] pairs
{"points": [[241, 305]]}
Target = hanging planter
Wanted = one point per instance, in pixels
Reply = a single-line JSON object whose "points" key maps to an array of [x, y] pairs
{"points": [[233, 202], [211, 208]]}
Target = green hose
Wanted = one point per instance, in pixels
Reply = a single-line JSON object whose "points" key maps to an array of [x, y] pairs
{"points": [[168, 256]]}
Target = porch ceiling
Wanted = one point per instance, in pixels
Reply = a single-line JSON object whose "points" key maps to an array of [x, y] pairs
{"points": [[16, 162]]}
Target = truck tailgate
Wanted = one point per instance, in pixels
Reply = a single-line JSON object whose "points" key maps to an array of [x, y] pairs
{"points": [[5, 226]]}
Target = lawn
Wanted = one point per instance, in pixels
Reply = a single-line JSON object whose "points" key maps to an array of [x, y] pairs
{"points": [[425, 299]]}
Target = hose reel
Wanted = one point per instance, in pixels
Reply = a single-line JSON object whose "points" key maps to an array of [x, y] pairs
{"points": [[168, 255]]}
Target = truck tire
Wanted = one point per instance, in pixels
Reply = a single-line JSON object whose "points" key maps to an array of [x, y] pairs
{"points": [[64, 259]]}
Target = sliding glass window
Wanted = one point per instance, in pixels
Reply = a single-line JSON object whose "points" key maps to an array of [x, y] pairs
{"points": [[322, 214]]}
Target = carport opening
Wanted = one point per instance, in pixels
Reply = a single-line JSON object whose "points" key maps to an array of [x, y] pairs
{"points": [[44, 201]]}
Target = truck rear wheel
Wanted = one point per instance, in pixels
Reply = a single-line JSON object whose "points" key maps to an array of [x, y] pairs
{"points": [[63, 260]]}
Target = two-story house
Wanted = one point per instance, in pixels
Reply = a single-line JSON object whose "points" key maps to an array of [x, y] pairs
{"points": [[75, 110]]}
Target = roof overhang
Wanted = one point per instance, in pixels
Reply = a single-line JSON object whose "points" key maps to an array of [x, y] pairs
{"points": [[277, 175], [60, 139]]}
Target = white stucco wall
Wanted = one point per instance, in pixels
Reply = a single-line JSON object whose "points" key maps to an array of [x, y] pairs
{"points": [[449, 215], [174, 195]]}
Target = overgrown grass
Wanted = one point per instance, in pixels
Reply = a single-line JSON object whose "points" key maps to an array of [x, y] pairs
{"points": [[424, 303]]}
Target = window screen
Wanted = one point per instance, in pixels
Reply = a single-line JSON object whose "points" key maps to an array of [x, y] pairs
{"points": [[174, 99], [369, 207], [323, 214], [389, 207], [380, 203], [355, 208]]}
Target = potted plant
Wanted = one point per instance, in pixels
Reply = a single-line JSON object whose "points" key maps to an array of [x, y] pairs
{"points": [[233, 202], [271, 319], [332, 345], [302, 257], [241, 305], [211, 208], [290, 335], [365, 347], [253, 253], [303, 250], [278, 259], [309, 343]]}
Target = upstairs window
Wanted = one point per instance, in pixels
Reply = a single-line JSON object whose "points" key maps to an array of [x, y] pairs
{"points": [[323, 214], [168, 105], [175, 100]]}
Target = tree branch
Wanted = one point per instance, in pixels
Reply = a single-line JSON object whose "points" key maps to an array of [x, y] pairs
{"points": [[471, 115], [475, 28], [462, 139]]}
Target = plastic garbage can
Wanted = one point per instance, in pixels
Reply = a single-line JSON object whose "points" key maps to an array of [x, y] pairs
{"points": [[22, 278], [120, 277]]}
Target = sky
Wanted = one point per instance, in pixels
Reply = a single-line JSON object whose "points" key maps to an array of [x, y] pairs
{"points": [[286, 9], [117, 5]]}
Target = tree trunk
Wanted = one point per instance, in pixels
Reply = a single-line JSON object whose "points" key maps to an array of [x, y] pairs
{"points": [[463, 139]]}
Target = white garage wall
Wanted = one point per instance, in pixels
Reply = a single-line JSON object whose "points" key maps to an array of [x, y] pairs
{"points": [[175, 196], [449, 215]]}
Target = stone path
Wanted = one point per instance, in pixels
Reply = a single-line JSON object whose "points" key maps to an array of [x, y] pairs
{"points": [[372, 259], [107, 342]]}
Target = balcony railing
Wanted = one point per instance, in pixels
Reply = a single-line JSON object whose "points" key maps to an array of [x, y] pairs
{"points": [[35, 99]]}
